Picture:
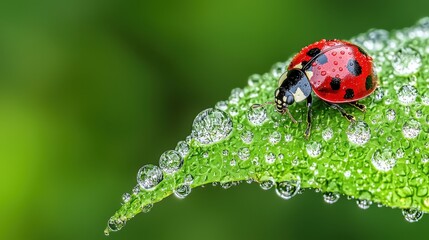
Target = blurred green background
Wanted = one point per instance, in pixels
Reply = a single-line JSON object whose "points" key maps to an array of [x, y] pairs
{"points": [[92, 90]]}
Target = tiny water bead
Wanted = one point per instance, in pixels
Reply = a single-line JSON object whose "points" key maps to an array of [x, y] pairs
{"points": [[275, 137], [254, 80], [314, 149], [266, 185], [247, 137], [270, 158], [189, 179], [257, 116], [288, 189], [182, 191], [363, 203], [383, 159], [182, 148], [147, 208], [126, 197], [412, 215], [358, 133], [390, 114], [327, 134], [406, 61], [243, 153], [407, 94], [411, 129], [222, 105], [149, 176], [136, 189], [211, 126], [170, 161], [330, 197]]}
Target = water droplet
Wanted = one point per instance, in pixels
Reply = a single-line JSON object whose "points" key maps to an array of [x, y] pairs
{"points": [[363, 203], [270, 158], [378, 94], [126, 197], [189, 179], [383, 159], [400, 153], [232, 162], [266, 185], [136, 189], [425, 159], [314, 149], [327, 134], [323, 73], [275, 137], [330, 197], [226, 185], [115, 224], [235, 96], [288, 189], [347, 174], [412, 215], [243, 153], [247, 137], [225, 152], [206, 155], [182, 148], [281, 156], [288, 138], [170, 161], [407, 94], [222, 105], [278, 69], [233, 111], [375, 39], [411, 129], [182, 191], [257, 116], [358, 133], [406, 61], [149, 176], [147, 208], [211, 126], [254, 80], [390, 114]]}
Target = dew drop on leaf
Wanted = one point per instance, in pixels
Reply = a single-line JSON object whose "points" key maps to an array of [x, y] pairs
{"points": [[327, 134], [288, 189], [149, 176], [257, 116], [406, 61], [126, 197], [182, 148], [182, 191], [211, 126], [383, 159], [412, 215], [358, 133], [170, 161], [275, 137], [330, 197], [266, 185], [363, 203], [411, 129], [314, 149], [407, 94], [247, 137], [243, 153]]}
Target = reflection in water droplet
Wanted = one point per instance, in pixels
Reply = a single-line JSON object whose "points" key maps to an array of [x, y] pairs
{"points": [[270, 158], [211, 126], [275, 137], [327, 134], [412, 215], [235, 96], [115, 224], [222, 105], [232, 162], [406, 61], [243, 153], [411, 129], [288, 189], [278, 69], [363, 203], [400, 153], [247, 137], [390, 114], [266, 185], [358, 133], [407, 94], [257, 116], [314, 149], [182, 191], [147, 208], [126, 197], [189, 179], [136, 189], [254, 80], [330, 197], [288, 138], [383, 159], [149, 176], [182, 148], [170, 162]]}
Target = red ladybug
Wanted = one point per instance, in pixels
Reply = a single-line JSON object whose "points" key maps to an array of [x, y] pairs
{"points": [[336, 71]]}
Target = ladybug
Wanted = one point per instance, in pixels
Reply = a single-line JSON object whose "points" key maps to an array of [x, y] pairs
{"points": [[336, 71]]}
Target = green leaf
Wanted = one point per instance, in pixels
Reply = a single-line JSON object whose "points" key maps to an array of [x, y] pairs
{"points": [[383, 158]]}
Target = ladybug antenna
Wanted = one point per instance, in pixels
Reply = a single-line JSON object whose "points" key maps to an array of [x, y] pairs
{"points": [[257, 105], [290, 115]]}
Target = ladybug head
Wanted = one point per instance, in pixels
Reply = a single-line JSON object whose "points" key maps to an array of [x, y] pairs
{"points": [[283, 98]]}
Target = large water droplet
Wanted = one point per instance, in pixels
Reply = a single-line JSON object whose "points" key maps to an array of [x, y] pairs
{"points": [[406, 61], [266, 185], [115, 224], [257, 116], [383, 159], [411, 129], [358, 133], [330, 197], [243, 153], [247, 137], [182, 191], [363, 203], [412, 215], [149, 176], [407, 94], [211, 126], [288, 189], [182, 148], [314, 149], [170, 162]]}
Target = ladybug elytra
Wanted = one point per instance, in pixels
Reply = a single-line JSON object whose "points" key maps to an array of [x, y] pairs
{"points": [[335, 70]]}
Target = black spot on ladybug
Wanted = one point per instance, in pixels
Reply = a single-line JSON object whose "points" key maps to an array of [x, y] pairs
{"points": [[303, 63], [313, 52], [349, 94], [354, 67], [368, 82], [335, 83], [322, 59], [362, 51]]}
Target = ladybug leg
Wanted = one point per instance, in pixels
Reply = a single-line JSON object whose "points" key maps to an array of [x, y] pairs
{"points": [[358, 106], [349, 117], [309, 103]]}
